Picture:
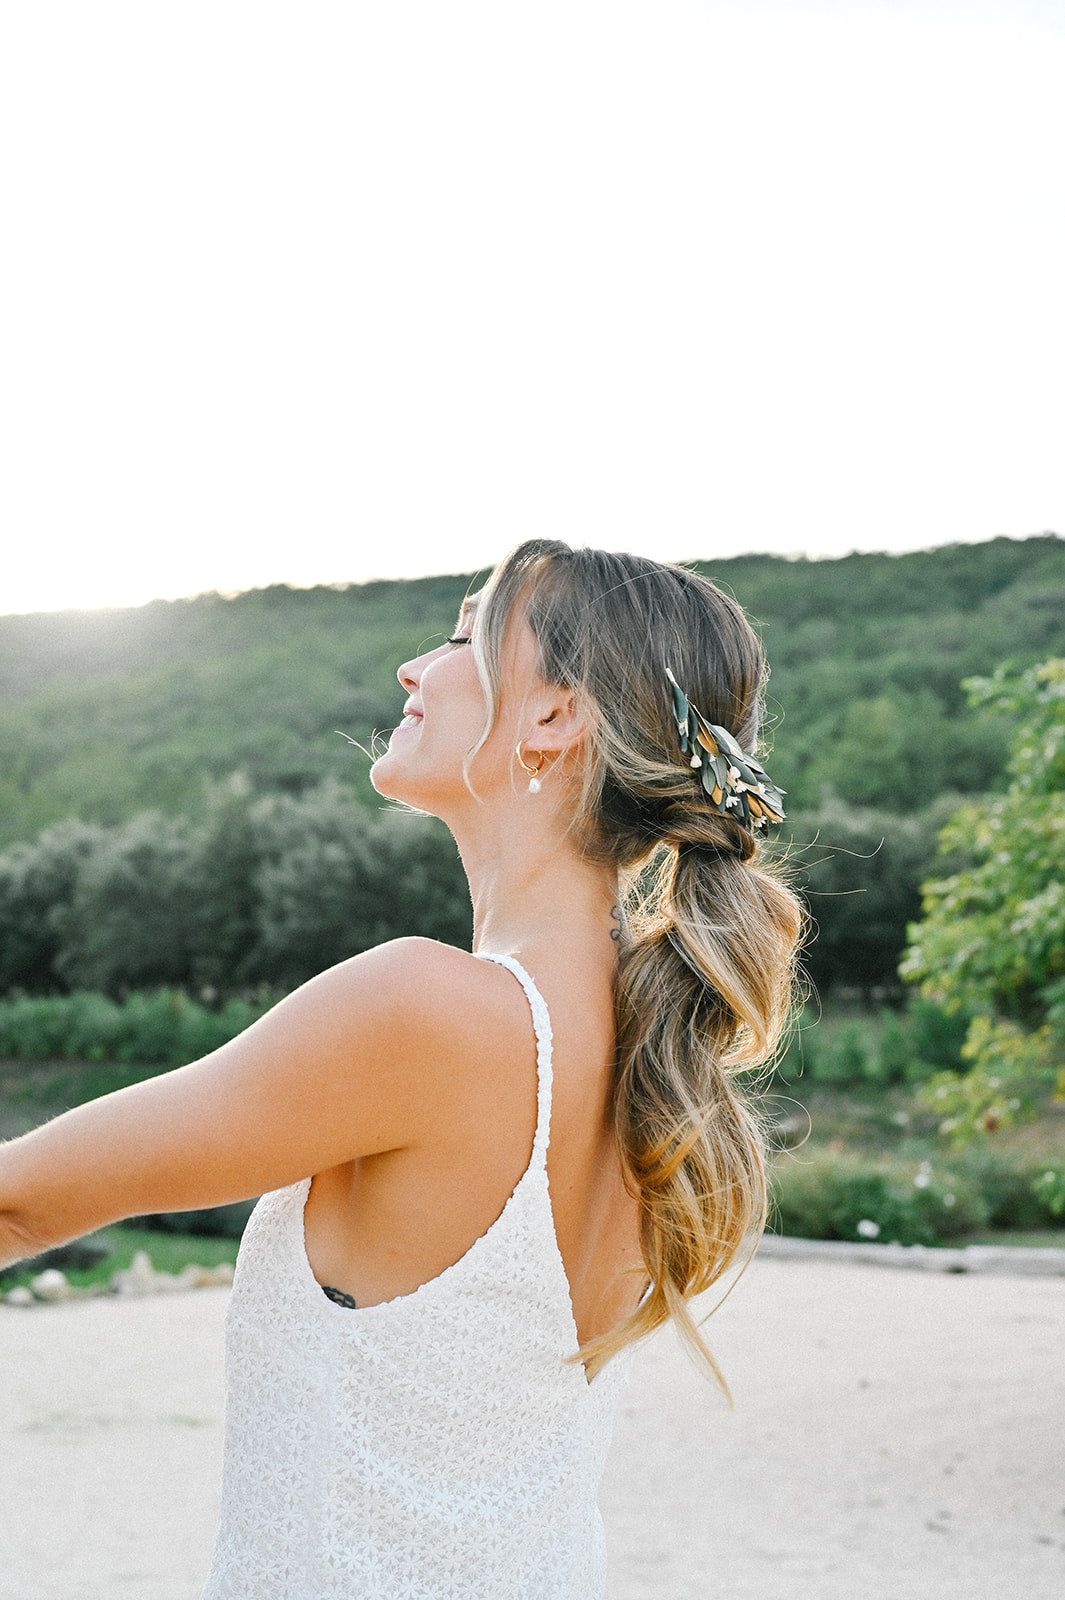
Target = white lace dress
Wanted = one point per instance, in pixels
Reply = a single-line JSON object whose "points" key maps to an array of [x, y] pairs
{"points": [[434, 1447]]}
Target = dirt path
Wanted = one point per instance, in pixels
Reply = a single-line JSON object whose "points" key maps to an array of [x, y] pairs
{"points": [[896, 1436]]}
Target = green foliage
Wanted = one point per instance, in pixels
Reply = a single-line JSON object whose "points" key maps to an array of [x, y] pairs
{"points": [[826, 1193], [859, 869], [820, 1195], [180, 732], [129, 919], [104, 714], [890, 1046], [937, 1036], [992, 939], [37, 884], [1019, 1191], [1049, 1188], [895, 1056], [266, 890], [161, 1028]]}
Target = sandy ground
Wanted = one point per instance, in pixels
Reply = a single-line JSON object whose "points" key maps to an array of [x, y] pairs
{"points": [[896, 1436]]}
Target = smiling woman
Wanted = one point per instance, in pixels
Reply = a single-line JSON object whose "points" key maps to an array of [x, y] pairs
{"points": [[483, 1175]]}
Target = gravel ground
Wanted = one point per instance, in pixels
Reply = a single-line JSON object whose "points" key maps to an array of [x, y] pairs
{"points": [[895, 1436]]}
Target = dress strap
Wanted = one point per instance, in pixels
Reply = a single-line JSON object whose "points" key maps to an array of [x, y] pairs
{"points": [[542, 1025]]}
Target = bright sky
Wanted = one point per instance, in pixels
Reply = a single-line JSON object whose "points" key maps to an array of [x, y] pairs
{"points": [[310, 293]]}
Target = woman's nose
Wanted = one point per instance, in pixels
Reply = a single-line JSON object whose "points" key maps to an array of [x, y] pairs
{"points": [[410, 673]]}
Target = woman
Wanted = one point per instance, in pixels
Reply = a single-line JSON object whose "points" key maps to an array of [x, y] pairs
{"points": [[426, 1337]]}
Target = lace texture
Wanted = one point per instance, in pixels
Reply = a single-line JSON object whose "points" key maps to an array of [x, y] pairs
{"points": [[433, 1447]]}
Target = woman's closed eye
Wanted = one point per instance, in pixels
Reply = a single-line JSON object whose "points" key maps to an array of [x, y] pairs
{"points": [[459, 638]]}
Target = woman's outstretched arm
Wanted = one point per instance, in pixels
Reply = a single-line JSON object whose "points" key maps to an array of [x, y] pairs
{"points": [[344, 1067]]}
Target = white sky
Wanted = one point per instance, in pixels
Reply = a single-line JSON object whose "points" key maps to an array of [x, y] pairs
{"points": [[315, 292]]}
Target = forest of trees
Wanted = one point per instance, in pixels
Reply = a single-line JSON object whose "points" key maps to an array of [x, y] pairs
{"points": [[177, 806]]}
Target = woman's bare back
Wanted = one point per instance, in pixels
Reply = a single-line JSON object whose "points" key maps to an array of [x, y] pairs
{"points": [[378, 1227]]}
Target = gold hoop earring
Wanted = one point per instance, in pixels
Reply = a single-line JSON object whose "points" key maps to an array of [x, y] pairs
{"points": [[534, 781]]}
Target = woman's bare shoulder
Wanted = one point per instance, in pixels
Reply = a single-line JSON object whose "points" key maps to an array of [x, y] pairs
{"points": [[411, 979], [362, 1059]]}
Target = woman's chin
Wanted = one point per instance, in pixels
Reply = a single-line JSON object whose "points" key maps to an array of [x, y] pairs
{"points": [[380, 776], [387, 777]]}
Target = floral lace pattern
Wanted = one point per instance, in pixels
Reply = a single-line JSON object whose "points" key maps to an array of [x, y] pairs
{"points": [[433, 1447]]}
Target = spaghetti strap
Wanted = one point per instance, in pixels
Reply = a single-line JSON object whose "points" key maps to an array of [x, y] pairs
{"points": [[542, 1026]]}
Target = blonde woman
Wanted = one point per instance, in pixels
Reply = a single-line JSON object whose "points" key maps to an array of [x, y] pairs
{"points": [[485, 1175]]}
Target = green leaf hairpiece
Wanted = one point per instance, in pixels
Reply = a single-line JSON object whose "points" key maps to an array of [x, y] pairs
{"points": [[732, 780]]}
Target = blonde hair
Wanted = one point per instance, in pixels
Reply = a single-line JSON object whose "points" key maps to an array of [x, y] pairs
{"points": [[705, 978]]}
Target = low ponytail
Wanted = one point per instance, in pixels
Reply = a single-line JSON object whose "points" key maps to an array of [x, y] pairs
{"points": [[706, 970], [703, 992]]}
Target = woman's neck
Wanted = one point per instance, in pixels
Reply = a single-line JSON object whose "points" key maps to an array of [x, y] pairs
{"points": [[531, 889]]}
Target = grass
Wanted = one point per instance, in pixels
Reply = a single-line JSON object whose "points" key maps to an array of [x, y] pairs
{"points": [[169, 1252]]}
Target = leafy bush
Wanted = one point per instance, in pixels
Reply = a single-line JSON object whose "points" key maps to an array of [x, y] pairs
{"points": [[846, 1056], [818, 1195], [893, 1046], [1019, 1191], [835, 1051], [992, 940], [262, 890], [164, 1027], [1049, 1189], [894, 1057], [936, 1036], [859, 869]]}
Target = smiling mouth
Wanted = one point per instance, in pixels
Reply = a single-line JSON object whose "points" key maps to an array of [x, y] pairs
{"points": [[411, 720]]}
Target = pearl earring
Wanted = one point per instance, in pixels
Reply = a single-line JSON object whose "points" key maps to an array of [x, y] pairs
{"points": [[534, 782]]}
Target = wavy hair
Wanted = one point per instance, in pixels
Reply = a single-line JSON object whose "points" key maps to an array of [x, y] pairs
{"points": [[706, 972]]}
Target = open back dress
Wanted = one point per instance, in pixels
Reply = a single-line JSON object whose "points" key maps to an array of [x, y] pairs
{"points": [[437, 1446]]}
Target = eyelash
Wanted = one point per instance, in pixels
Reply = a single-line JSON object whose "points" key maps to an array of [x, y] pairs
{"points": [[459, 639]]}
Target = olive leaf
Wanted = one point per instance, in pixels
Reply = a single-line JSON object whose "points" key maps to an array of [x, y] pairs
{"points": [[735, 782]]}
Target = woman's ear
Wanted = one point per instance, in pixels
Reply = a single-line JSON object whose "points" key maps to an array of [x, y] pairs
{"points": [[561, 724]]}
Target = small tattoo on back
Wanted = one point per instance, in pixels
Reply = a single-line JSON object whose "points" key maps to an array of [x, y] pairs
{"points": [[339, 1297], [618, 920]]}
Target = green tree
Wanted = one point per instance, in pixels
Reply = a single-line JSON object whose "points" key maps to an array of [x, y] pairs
{"points": [[129, 921], [38, 881], [335, 879], [224, 860], [992, 939], [860, 870]]}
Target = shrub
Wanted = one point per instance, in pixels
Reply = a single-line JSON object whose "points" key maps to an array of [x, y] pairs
{"points": [[936, 1036], [817, 1195], [1049, 1189], [164, 1027], [1005, 1182], [846, 1056], [896, 1046]]}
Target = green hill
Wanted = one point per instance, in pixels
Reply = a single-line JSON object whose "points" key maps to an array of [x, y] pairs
{"points": [[105, 713]]}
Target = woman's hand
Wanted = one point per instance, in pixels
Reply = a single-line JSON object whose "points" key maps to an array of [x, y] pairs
{"points": [[352, 1064]]}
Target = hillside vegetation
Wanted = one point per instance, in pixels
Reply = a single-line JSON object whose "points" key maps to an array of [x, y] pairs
{"points": [[184, 837], [196, 743], [103, 713]]}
